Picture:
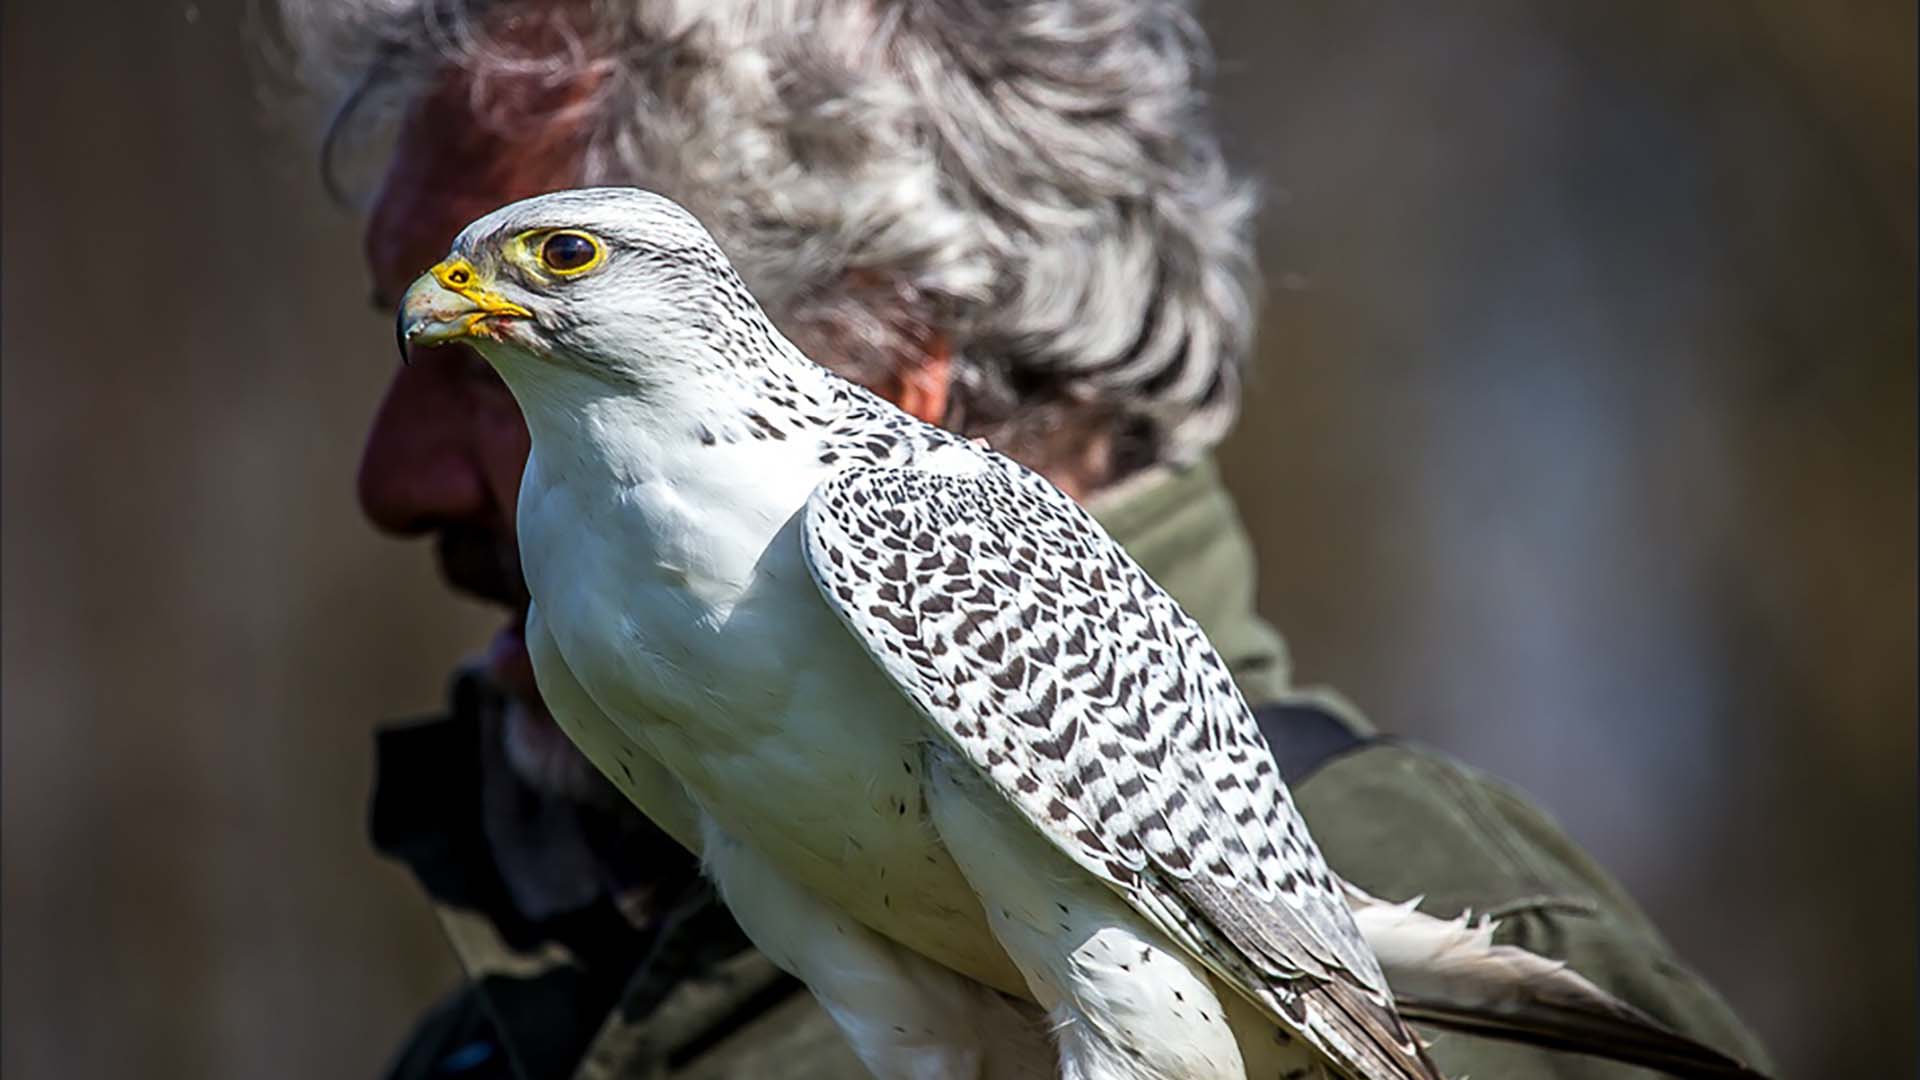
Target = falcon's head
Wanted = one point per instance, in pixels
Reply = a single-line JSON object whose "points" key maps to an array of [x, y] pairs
{"points": [[607, 281]]}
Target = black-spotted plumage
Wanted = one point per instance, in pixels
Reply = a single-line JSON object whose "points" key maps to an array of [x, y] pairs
{"points": [[1055, 665]]}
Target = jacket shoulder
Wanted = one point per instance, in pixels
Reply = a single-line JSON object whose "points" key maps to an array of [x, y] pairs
{"points": [[1402, 821]]}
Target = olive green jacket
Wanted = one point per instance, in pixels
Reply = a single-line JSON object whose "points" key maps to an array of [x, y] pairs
{"points": [[561, 983]]}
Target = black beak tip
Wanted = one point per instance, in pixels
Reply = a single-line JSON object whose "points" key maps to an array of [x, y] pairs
{"points": [[400, 337]]}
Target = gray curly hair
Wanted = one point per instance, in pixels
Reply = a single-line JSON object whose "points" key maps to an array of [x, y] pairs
{"points": [[1034, 178]]}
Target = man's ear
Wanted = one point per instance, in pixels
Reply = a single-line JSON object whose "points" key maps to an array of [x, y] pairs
{"points": [[921, 382]]}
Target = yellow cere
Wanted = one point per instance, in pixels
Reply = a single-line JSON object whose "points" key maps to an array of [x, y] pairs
{"points": [[456, 275], [459, 276]]}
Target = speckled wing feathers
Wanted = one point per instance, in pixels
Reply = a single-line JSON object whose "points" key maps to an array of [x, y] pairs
{"points": [[1054, 664]]}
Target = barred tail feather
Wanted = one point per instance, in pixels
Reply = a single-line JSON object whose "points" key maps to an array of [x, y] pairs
{"points": [[1379, 1042]]}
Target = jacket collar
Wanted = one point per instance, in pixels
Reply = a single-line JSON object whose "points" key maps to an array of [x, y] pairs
{"points": [[1181, 526]]}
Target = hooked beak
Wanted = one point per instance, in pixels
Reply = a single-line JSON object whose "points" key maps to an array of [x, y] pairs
{"points": [[448, 303]]}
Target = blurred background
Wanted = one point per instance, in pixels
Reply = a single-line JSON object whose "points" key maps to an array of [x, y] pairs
{"points": [[1582, 447]]}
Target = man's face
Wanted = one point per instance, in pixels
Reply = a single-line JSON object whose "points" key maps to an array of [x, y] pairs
{"points": [[447, 446]]}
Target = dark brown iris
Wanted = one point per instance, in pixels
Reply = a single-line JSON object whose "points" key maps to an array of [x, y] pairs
{"points": [[567, 251]]}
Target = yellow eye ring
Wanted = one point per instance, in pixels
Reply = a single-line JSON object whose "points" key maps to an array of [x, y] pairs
{"points": [[568, 253]]}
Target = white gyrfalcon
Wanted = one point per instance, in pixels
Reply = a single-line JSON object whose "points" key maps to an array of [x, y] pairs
{"points": [[947, 751]]}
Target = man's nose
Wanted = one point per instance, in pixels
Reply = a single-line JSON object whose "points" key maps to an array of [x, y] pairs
{"points": [[423, 464]]}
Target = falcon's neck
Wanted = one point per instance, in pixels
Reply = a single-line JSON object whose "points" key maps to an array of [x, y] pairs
{"points": [[706, 417]]}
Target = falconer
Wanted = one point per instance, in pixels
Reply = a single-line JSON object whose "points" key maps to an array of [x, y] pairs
{"points": [[1011, 220]]}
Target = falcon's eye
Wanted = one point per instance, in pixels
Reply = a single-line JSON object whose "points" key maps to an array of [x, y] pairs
{"points": [[569, 252]]}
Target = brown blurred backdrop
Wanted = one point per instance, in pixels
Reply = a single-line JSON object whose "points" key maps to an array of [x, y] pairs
{"points": [[1583, 446]]}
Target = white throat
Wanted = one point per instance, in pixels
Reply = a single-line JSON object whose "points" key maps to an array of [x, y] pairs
{"points": [[705, 420]]}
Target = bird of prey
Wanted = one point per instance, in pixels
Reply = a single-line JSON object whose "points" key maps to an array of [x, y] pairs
{"points": [[948, 753]]}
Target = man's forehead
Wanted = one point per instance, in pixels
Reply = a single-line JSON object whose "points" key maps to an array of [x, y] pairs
{"points": [[469, 147]]}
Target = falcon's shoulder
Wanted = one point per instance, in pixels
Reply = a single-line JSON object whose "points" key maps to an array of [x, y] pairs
{"points": [[1053, 663]]}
